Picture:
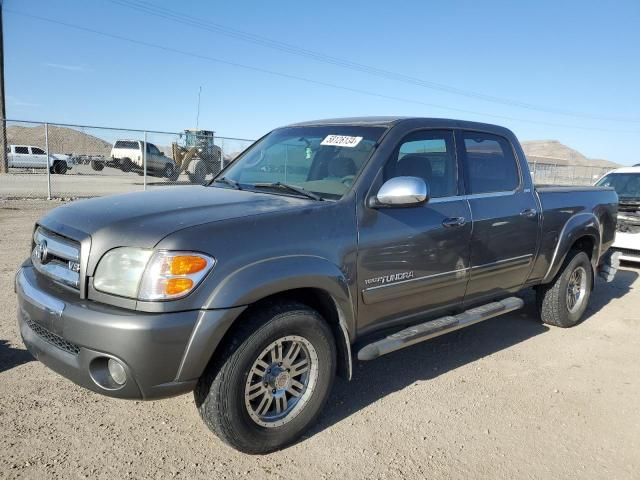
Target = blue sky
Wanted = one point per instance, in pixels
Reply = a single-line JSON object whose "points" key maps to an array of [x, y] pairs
{"points": [[576, 57]]}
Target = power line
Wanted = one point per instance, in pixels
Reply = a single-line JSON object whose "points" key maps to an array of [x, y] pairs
{"points": [[148, 8], [304, 79]]}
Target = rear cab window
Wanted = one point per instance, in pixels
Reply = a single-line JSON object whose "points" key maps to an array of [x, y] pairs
{"points": [[129, 144], [22, 150], [490, 164]]}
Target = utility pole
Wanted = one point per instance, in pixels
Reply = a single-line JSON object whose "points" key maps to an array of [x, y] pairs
{"points": [[197, 114], [4, 164]]}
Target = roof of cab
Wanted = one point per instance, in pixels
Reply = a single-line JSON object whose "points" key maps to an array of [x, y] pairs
{"points": [[634, 169], [382, 121]]}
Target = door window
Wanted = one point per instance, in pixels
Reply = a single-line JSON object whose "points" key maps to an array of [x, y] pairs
{"points": [[427, 154], [22, 150], [490, 163], [37, 151], [152, 149]]}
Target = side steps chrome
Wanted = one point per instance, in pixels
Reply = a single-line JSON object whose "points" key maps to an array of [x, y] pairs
{"points": [[434, 328]]}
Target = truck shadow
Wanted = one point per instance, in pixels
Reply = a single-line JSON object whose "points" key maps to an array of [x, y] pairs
{"points": [[377, 379], [605, 292], [12, 357]]}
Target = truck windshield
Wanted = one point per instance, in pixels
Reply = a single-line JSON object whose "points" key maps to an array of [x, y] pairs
{"points": [[626, 185], [323, 160]]}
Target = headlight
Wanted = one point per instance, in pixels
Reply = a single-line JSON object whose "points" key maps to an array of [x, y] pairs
{"points": [[149, 275]]}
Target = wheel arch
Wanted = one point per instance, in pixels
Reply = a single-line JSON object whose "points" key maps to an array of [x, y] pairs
{"points": [[582, 232], [311, 280]]}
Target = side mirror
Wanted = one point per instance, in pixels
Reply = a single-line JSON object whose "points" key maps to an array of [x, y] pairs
{"points": [[401, 192]]}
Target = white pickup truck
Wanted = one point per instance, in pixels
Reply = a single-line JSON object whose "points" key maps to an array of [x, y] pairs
{"points": [[27, 156], [128, 156], [626, 182]]}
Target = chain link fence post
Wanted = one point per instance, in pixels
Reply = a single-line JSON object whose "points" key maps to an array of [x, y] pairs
{"points": [[48, 166], [144, 162]]}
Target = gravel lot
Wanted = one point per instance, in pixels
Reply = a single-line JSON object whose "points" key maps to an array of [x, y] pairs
{"points": [[507, 398], [80, 181]]}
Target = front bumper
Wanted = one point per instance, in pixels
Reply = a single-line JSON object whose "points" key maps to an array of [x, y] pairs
{"points": [[163, 354]]}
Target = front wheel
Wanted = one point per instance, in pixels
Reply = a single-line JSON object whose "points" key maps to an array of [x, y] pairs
{"points": [[563, 302], [59, 168], [169, 172], [273, 380]]}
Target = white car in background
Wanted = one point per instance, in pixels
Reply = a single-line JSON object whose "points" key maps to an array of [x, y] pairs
{"points": [[129, 156], [626, 182], [28, 156]]}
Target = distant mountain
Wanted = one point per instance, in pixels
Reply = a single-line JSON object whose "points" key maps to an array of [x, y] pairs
{"points": [[554, 152], [61, 140]]}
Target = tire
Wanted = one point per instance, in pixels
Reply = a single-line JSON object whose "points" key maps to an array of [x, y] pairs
{"points": [[59, 168], [554, 299], [97, 166], [169, 172], [199, 174], [223, 394], [126, 165]]}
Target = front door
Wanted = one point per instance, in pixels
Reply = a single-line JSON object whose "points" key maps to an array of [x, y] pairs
{"points": [[505, 216], [39, 157], [413, 261]]}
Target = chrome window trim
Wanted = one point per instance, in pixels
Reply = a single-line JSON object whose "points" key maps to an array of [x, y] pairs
{"points": [[505, 193]]}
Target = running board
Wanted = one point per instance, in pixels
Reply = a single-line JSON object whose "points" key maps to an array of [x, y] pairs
{"points": [[434, 328]]}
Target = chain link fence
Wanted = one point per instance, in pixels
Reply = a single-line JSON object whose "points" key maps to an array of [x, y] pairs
{"points": [[559, 174], [48, 160], [85, 161]]}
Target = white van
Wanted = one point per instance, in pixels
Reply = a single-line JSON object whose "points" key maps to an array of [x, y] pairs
{"points": [[626, 182], [27, 156]]}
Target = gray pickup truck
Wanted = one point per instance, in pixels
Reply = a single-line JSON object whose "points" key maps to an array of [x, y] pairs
{"points": [[322, 242]]}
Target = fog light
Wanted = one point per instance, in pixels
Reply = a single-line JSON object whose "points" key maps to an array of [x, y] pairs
{"points": [[116, 370]]}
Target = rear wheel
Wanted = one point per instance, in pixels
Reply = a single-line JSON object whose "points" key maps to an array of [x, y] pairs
{"points": [[562, 303], [272, 381], [126, 165], [170, 172], [59, 167], [97, 166]]}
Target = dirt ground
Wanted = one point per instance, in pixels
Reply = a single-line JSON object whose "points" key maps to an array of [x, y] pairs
{"points": [[507, 398]]}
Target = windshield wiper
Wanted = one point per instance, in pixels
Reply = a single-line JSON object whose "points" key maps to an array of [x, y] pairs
{"points": [[228, 181], [291, 188]]}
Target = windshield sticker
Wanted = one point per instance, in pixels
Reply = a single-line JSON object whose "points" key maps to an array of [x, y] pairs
{"points": [[341, 141]]}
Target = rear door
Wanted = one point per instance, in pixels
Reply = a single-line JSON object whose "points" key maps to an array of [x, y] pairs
{"points": [[38, 157], [21, 157], [413, 261], [504, 212]]}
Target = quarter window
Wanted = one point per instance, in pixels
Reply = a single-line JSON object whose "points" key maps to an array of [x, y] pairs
{"points": [[428, 155], [490, 163]]}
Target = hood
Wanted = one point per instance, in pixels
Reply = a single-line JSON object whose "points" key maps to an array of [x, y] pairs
{"points": [[142, 219]]}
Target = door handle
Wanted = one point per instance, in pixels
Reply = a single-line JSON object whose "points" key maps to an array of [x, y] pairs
{"points": [[529, 212], [454, 222]]}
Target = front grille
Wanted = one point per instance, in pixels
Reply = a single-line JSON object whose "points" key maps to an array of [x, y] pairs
{"points": [[53, 339], [57, 257]]}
